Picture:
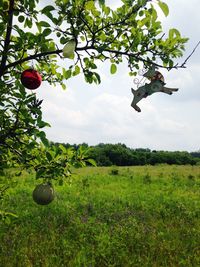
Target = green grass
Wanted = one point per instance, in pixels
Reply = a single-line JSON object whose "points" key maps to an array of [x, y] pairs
{"points": [[137, 216]]}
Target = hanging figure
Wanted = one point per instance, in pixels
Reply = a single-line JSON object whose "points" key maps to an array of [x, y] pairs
{"points": [[156, 85]]}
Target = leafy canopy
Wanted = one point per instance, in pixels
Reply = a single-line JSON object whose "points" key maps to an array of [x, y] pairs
{"points": [[33, 34]]}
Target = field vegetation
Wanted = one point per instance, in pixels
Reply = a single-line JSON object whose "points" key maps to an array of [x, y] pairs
{"points": [[105, 216]]}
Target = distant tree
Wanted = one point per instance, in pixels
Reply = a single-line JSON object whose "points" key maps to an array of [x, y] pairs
{"points": [[99, 155], [121, 155], [195, 157], [118, 154]]}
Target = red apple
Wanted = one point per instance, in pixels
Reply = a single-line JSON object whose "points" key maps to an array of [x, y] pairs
{"points": [[31, 79]]}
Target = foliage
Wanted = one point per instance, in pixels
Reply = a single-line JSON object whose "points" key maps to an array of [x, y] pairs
{"points": [[4, 215], [107, 220], [121, 155], [32, 34]]}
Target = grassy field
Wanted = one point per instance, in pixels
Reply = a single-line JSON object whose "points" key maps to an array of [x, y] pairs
{"points": [[127, 216]]}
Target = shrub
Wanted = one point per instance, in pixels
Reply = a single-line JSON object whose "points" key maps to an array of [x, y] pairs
{"points": [[147, 179], [114, 171]]}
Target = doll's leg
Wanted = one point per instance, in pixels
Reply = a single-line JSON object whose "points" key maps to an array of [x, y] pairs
{"points": [[169, 91], [135, 107], [138, 95]]}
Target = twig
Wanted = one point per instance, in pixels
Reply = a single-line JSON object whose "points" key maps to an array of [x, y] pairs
{"points": [[183, 64]]}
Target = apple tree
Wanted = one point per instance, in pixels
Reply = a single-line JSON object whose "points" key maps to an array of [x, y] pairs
{"points": [[81, 33]]}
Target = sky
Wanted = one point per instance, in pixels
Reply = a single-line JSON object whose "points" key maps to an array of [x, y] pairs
{"points": [[102, 113]]}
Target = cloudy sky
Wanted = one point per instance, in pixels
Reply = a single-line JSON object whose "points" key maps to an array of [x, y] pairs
{"points": [[96, 114]]}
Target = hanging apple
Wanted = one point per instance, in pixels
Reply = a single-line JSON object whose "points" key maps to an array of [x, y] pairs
{"points": [[43, 194], [31, 79]]}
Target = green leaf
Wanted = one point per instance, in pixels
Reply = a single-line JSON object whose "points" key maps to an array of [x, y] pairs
{"points": [[113, 68], [164, 8], [5, 5], [82, 38], [47, 9], [98, 78], [63, 40], [42, 124], [101, 2], [171, 63], [106, 10], [28, 23], [44, 24], [47, 31], [58, 34], [88, 76], [76, 71], [63, 148], [43, 138], [67, 73], [49, 156], [89, 5], [141, 13], [92, 162], [21, 19], [64, 87], [174, 32]]}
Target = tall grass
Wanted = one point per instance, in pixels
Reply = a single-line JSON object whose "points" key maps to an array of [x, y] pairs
{"points": [[139, 216]]}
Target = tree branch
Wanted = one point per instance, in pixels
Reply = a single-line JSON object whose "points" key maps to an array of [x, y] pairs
{"points": [[43, 54], [85, 48], [7, 39], [186, 60]]}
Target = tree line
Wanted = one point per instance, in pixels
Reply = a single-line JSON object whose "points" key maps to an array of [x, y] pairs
{"points": [[121, 155]]}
